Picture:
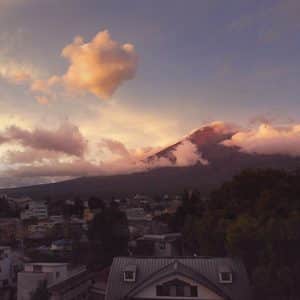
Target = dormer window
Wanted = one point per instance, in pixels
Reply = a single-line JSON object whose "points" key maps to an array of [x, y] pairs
{"points": [[225, 275], [130, 274]]}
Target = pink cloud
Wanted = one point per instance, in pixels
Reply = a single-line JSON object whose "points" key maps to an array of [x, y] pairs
{"points": [[66, 139], [268, 139]]}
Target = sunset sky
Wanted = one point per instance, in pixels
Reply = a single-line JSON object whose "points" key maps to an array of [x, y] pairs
{"points": [[84, 83]]}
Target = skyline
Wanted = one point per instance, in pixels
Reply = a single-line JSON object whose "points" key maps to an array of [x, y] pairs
{"points": [[155, 74]]}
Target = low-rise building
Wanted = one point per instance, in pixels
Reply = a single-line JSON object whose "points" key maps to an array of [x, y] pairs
{"points": [[11, 230], [159, 245], [10, 264], [63, 281], [35, 209], [6, 265], [200, 278]]}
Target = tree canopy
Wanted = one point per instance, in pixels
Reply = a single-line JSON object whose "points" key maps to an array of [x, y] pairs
{"points": [[255, 216]]}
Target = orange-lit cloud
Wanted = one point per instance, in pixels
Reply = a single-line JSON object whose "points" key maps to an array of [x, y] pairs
{"points": [[15, 73], [268, 139], [99, 66], [42, 100]]}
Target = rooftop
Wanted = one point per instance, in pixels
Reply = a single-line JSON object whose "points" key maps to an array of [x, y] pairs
{"points": [[203, 269]]}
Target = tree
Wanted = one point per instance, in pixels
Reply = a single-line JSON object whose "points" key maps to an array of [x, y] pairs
{"points": [[255, 216], [108, 234]]}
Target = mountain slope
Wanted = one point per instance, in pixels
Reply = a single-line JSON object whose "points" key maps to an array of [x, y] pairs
{"points": [[224, 162]]}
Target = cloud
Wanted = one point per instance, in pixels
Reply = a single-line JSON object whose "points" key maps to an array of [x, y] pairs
{"points": [[99, 66], [29, 156], [268, 139], [115, 147], [16, 73], [76, 168], [187, 154], [66, 139], [128, 162], [42, 100]]}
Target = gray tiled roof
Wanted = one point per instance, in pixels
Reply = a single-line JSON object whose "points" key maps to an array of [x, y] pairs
{"points": [[207, 269]]}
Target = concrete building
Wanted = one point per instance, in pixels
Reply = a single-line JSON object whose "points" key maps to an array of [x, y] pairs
{"points": [[198, 278], [159, 245], [35, 209], [10, 264], [63, 281], [11, 230], [6, 267]]}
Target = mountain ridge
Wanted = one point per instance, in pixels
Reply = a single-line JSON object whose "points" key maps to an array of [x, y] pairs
{"points": [[223, 163]]}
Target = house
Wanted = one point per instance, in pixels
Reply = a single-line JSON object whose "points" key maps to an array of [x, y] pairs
{"points": [[9, 265], [5, 267], [178, 278], [11, 230], [63, 281], [35, 209], [160, 245]]}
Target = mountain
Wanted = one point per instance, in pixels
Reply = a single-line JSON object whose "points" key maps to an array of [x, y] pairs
{"points": [[223, 163]]}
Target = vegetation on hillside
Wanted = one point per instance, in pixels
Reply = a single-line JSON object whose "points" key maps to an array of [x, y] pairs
{"points": [[255, 216]]}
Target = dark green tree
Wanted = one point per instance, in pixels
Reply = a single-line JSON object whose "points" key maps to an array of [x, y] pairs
{"points": [[108, 234]]}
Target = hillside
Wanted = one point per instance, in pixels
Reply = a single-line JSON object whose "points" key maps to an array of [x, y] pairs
{"points": [[224, 162]]}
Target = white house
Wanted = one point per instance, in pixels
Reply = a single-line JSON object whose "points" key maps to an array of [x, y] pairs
{"points": [[9, 265], [200, 278], [160, 245], [6, 271], [35, 209]]}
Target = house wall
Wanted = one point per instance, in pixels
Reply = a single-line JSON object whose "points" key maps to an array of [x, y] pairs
{"points": [[28, 282], [203, 292]]}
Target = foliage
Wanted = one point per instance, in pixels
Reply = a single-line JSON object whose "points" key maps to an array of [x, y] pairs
{"points": [[108, 234], [255, 216]]}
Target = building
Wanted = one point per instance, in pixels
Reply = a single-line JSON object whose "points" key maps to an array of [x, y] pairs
{"points": [[35, 209], [11, 230], [63, 281], [10, 264], [159, 245], [6, 267], [61, 245], [178, 278]]}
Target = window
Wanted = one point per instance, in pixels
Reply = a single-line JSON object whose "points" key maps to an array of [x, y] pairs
{"points": [[57, 274], [130, 273], [162, 290], [129, 276], [176, 288], [162, 245], [225, 277], [37, 268]]}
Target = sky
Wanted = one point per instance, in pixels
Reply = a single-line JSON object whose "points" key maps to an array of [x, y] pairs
{"points": [[91, 87]]}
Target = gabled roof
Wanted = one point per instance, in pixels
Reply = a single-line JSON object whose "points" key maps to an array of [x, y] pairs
{"points": [[202, 270]]}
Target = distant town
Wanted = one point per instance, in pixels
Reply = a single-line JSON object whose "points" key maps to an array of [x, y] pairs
{"points": [[58, 252], [240, 242]]}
